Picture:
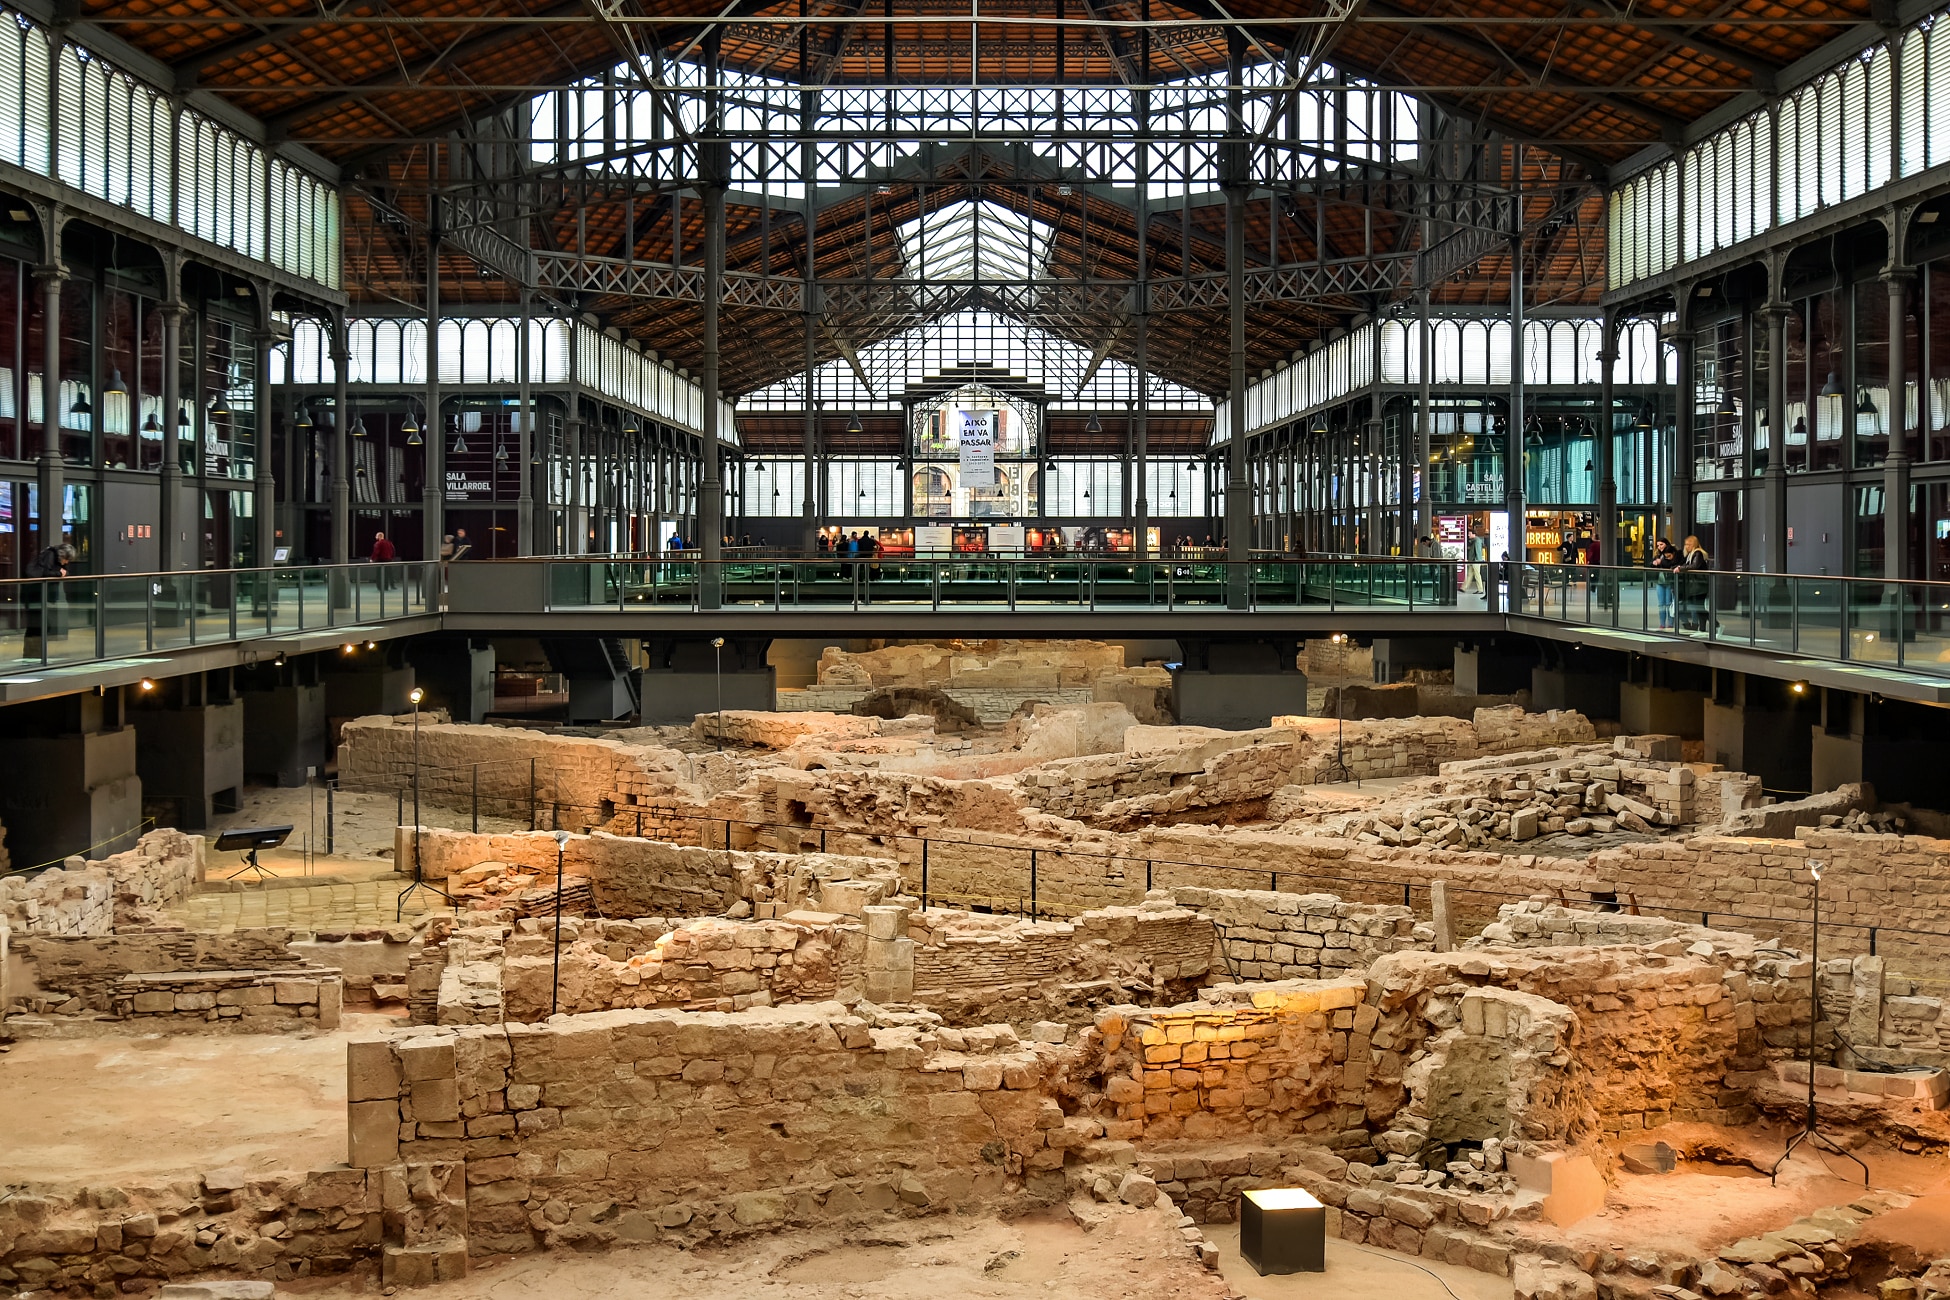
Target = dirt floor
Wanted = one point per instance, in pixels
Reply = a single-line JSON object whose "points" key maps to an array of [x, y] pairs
{"points": [[125, 1110], [1134, 1254], [1355, 1271], [1707, 1203], [362, 822]]}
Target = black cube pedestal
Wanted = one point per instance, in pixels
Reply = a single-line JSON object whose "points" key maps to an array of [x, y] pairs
{"points": [[1282, 1230]]}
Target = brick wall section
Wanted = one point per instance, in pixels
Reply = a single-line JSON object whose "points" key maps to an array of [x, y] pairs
{"points": [[630, 877], [123, 889], [1269, 936], [626, 1125], [299, 999]]}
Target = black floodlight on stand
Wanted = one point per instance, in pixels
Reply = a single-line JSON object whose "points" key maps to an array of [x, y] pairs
{"points": [[248, 840]]}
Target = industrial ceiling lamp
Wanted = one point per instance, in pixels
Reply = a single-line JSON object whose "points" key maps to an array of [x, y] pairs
{"points": [[1644, 418], [854, 425], [1726, 406], [629, 424], [115, 384], [460, 446], [500, 454], [1833, 388], [80, 405], [1864, 405], [358, 426], [150, 424], [1801, 425], [219, 407], [1095, 425], [1320, 426], [303, 420]]}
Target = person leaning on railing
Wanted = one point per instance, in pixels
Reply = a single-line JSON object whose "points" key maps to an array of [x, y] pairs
{"points": [[1664, 557], [1693, 566]]}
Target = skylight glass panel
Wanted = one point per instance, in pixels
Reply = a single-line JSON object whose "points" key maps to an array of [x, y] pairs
{"points": [[974, 240]]}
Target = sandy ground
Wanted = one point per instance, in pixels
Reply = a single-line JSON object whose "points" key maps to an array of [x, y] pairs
{"points": [[1134, 1254], [362, 822], [1705, 1204], [1357, 1272], [127, 1109]]}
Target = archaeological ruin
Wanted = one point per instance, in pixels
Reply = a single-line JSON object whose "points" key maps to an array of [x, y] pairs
{"points": [[967, 937]]}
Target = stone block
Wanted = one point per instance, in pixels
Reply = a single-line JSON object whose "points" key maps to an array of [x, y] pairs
{"points": [[423, 1265], [426, 1058], [221, 1290], [373, 1128], [154, 1002], [295, 992], [371, 1072]]}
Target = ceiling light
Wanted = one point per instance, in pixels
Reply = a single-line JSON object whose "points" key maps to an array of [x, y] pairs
{"points": [[1863, 405], [460, 445], [115, 384], [219, 407], [147, 683], [150, 424], [411, 426], [1833, 388], [854, 425], [303, 421], [80, 405], [1095, 425]]}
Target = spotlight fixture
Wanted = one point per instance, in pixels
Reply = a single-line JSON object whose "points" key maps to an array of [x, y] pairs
{"points": [[115, 384], [347, 648], [303, 419], [279, 661], [372, 645], [80, 405], [147, 684], [416, 695], [460, 445], [358, 429], [411, 426], [1726, 406], [1798, 688]]}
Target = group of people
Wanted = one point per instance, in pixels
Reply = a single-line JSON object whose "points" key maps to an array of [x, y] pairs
{"points": [[1689, 597]]}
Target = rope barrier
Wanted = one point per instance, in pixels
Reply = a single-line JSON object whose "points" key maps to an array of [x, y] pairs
{"points": [[147, 823]]}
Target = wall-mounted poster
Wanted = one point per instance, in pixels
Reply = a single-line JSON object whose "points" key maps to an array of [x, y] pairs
{"points": [[976, 430], [934, 539], [1007, 539]]}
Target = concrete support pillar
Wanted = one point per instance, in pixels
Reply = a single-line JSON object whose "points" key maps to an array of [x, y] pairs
{"points": [[284, 723], [1895, 469], [1238, 685], [68, 781], [685, 678], [457, 673], [50, 476], [190, 746]]}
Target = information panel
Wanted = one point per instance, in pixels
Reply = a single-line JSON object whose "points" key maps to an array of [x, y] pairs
{"points": [[976, 431]]}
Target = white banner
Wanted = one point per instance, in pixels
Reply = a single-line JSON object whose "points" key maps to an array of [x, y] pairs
{"points": [[976, 431], [1007, 539], [934, 539]]}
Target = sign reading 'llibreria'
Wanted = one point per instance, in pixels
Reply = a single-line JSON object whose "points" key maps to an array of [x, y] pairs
{"points": [[977, 437]]}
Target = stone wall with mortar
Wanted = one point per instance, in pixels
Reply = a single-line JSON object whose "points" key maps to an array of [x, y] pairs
{"points": [[1269, 936], [644, 1125], [245, 981], [964, 959], [125, 889], [709, 965]]}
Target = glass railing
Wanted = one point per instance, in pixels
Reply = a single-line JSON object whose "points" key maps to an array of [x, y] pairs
{"points": [[983, 582], [1870, 621], [58, 621]]}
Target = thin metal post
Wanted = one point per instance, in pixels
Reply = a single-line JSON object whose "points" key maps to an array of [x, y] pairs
{"points": [[331, 792], [924, 879], [531, 796], [477, 798], [1032, 884]]}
